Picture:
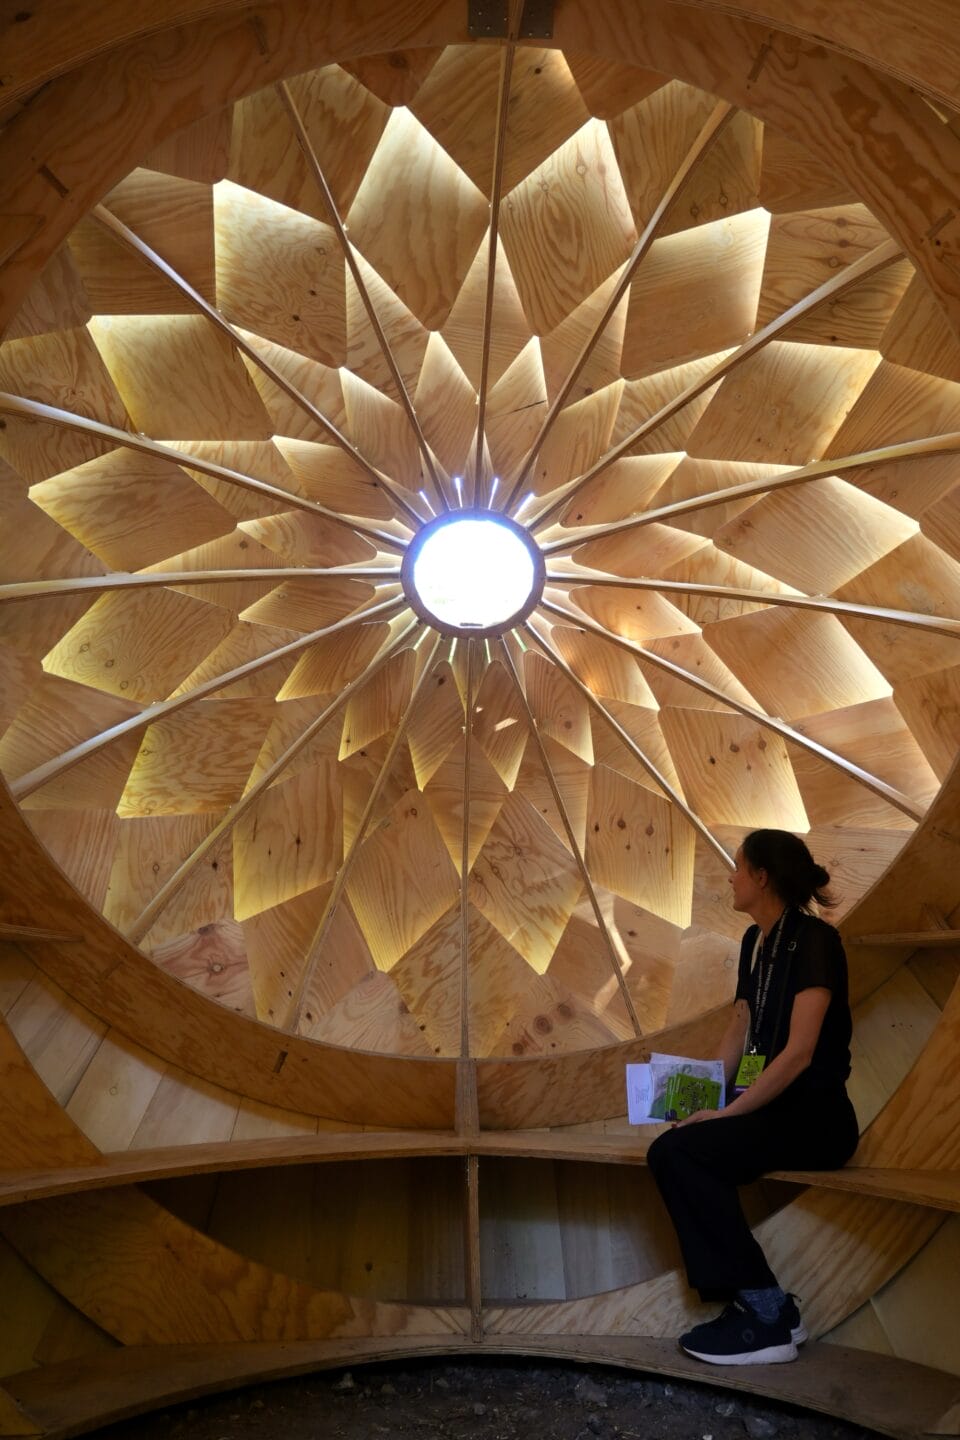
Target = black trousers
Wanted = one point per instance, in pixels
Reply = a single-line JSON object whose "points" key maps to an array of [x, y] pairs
{"points": [[698, 1168]]}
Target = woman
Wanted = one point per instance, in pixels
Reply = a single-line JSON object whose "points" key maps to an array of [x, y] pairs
{"points": [[787, 1044]]}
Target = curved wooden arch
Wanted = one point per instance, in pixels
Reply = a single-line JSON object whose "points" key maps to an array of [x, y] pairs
{"points": [[73, 140]]}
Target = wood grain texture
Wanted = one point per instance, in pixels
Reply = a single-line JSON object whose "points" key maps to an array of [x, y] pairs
{"points": [[199, 1290]]}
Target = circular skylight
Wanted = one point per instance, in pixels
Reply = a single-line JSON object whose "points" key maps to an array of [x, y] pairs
{"points": [[473, 572]]}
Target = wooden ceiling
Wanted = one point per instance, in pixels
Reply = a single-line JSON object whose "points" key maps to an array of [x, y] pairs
{"points": [[707, 379]]}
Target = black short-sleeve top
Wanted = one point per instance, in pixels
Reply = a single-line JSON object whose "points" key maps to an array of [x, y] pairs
{"points": [[810, 953]]}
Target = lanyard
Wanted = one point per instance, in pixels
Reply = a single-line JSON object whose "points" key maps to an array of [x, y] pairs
{"points": [[765, 965]]}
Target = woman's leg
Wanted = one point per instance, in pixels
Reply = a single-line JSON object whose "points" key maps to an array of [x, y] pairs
{"points": [[698, 1169]]}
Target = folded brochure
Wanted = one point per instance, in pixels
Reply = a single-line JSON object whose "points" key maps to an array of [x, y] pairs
{"points": [[671, 1087]]}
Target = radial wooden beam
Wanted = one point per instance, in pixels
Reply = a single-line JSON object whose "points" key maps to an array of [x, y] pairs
{"points": [[50, 769], [343, 874], [27, 934], [98, 584], [816, 470], [872, 782], [133, 241], [316, 171], [503, 111], [148, 916], [939, 624], [870, 264], [630, 744], [68, 420], [465, 859], [717, 120], [571, 835]]}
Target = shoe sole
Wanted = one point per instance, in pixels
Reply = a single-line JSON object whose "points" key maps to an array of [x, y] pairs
{"points": [[770, 1355], [798, 1334]]}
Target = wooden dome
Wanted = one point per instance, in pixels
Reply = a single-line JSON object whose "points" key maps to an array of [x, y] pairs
{"points": [[296, 877]]}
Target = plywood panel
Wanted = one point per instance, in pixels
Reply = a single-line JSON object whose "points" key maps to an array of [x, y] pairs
{"points": [[558, 708], [525, 882], [793, 179], [331, 664], [132, 510], [372, 1016], [784, 405], [332, 104], [509, 329], [417, 219], [516, 407], [214, 398], [396, 77], [402, 881], [197, 760], [34, 1132], [288, 842], [148, 852], [708, 281], [261, 459], [917, 575], [930, 705], [564, 345], [609, 88], [815, 537], [639, 847], [191, 1288], [57, 1036], [727, 179], [140, 646], [693, 654], [309, 604], [578, 439], [733, 772], [116, 1088], [197, 152], [567, 227], [62, 369], [458, 104], [376, 708], [57, 715], [651, 139], [603, 668], [175, 218], [381, 431], [796, 662], [57, 300], [446, 405], [642, 399], [404, 333], [919, 335], [281, 274], [185, 1110], [331, 476], [82, 843], [444, 795], [891, 1029], [638, 615], [211, 959]]}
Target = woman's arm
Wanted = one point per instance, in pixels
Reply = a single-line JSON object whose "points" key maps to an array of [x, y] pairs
{"points": [[806, 1020]]}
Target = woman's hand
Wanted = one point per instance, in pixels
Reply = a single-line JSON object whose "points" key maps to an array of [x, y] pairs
{"points": [[697, 1116]]}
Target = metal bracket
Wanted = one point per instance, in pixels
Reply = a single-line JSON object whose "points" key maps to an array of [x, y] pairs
{"points": [[537, 20], [489, 19]]}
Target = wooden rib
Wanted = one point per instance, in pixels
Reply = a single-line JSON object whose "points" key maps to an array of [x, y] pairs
{"points": [[826, 603], [870, 264], [50, 769], [129, 238], [320, 179], [879, 787], [465, 864], [624, 736], [719, 117], [68, 420], [503, 107], [122, 580], [816, 470], [571, 836], [148, 916], [343, 874]]}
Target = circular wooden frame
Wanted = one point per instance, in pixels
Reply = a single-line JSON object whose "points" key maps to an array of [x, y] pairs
{"points": [[454, 517]]}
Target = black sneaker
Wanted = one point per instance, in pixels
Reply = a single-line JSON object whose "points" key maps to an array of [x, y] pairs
{"points": [[739, 1337], [790, 1314]]}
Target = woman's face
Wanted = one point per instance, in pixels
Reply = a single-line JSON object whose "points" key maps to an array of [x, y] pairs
{"points": [[748, 885]]}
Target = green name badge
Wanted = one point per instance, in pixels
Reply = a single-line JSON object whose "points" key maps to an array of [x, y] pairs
{"points": [[748, 1070]]}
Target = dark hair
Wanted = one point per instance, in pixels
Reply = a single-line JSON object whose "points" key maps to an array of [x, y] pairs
{"points": [[793, 872]]}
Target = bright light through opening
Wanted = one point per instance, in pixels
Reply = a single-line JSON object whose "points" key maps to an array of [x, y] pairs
{"points": [[474, 574]]}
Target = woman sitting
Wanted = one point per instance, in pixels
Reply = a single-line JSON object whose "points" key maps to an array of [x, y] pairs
{"points": [[786, 1056]]}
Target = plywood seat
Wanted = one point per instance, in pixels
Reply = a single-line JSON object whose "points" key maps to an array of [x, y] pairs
{"points": [[934, 1189], [894, 1397]]}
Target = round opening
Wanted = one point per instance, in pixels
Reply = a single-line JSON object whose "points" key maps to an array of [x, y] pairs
{"points": [[473, 573]]}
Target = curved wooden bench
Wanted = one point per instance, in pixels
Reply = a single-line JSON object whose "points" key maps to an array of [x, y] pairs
{"points": [[893, 1397], [936, 1189]]}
